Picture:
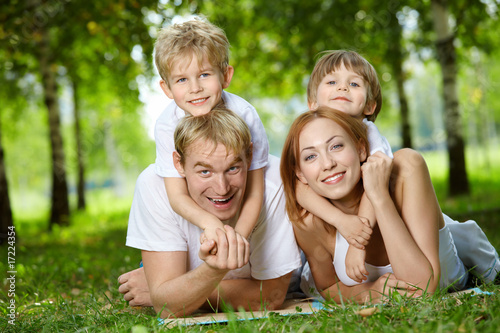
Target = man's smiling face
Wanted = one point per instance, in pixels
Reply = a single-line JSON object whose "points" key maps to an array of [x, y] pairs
{"points": [[216, 179]]}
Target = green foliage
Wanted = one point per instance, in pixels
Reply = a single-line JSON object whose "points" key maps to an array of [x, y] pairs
{"points": [[274, 48], [91, 51]]}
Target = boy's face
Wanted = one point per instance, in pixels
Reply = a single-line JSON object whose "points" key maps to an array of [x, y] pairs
{"points": [[196, 90], [346, 91]]}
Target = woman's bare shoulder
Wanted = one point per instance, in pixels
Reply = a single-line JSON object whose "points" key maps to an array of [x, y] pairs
{"points": [[313, 233], [310, 223]]}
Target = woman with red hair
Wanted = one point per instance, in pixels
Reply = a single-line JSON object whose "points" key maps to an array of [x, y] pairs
{"points": [[411, 248]]}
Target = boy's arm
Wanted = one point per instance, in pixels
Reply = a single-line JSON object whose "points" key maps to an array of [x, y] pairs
{"points": [[355, 258], [355, 264], [354, 230], [185, 206], [252, 203]]}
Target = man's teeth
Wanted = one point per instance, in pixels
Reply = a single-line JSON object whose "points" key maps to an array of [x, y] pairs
{"points": [[220, 200], [334, 177], [198, 100]]}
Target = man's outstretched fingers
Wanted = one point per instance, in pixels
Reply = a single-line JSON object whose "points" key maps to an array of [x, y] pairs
{"points": [[123, 278], [134, 287]]}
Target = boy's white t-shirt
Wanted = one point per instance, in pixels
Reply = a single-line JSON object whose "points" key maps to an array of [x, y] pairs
{"points": [[170, 117], [154, 226], [377, 141]]}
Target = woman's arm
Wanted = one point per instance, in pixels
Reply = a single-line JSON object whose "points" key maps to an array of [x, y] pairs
{"points": [[325, 277], [408, 215], [369, 292]]}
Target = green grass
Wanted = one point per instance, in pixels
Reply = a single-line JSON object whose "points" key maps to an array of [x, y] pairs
{"points": [[67, 279]]}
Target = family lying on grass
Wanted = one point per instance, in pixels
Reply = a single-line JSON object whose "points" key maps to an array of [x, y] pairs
{"points": [[218, 220]]}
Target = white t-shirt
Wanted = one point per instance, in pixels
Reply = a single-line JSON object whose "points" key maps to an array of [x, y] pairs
{"points": [[154, 226], [170, 117], [377, 141]]}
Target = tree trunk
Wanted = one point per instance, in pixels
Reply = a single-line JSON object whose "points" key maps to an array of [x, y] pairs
{"points": [[397, 68], [5, 209], [79, 152], [60, 204], [457, 180], [118, 175]]}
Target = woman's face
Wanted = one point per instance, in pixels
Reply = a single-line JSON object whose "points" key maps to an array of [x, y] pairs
{"points": [[329, 160]]}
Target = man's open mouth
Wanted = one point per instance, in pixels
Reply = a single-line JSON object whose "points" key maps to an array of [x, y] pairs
{"points": [[221, 201]]}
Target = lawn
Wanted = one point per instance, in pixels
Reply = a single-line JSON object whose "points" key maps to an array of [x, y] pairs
{"points": [[67, 280]]}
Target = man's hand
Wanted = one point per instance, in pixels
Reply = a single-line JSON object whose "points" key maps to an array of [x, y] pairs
{"points": [[233, 250], [134, 287], [356, 230], [355, 264]]}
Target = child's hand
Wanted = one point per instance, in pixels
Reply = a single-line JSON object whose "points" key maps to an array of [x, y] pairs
{"points": [[210, 233], [355, 264], [356, 230]]}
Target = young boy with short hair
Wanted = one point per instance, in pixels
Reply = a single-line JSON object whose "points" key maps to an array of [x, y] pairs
{"points": [[346, 81], [193, 61]]}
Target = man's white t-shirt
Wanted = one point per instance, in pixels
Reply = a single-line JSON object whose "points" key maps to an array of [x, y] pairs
{"points": [[170, 117], [154, 226], [377, 141]]}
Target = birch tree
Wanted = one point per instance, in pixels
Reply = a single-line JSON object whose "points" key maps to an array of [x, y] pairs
{"points": [[458, 182]]}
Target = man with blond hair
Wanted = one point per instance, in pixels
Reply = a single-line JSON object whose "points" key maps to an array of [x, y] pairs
{"points": [[213, 153]]}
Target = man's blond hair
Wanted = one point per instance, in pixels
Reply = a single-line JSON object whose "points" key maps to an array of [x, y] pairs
{"points": [[182, 41], [219, 126]]}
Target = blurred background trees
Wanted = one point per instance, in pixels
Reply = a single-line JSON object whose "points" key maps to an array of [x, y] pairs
{"points": [[75, 76]]}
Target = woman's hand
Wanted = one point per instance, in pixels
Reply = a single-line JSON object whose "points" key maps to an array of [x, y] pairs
{"points": [[388, 284], [376, 173]]}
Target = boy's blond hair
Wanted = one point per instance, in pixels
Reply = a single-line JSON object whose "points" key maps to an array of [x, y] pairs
{"points": [[183, 40], [332, 61], [219, 126]]}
